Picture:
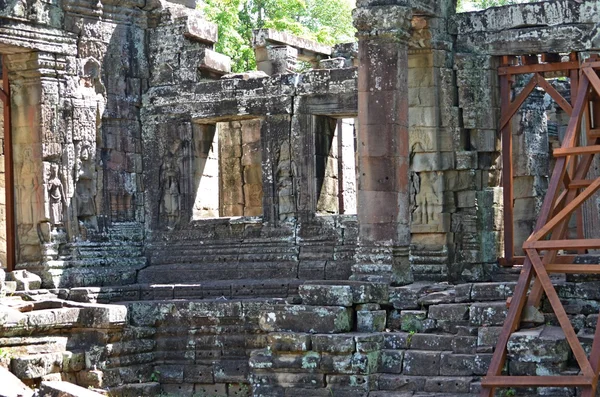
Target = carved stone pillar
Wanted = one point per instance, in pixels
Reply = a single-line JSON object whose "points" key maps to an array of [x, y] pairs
{"points": [[383, 145]]}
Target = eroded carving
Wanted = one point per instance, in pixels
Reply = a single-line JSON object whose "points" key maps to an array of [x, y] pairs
{"points": [[56, 195]]}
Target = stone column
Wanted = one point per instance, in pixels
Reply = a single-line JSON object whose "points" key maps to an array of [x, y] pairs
{"points": [[383, 145]]}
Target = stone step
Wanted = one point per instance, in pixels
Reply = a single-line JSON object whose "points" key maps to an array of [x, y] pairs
{"points": [[103, 262], [237, 289], [189, 273], [91, 276], [106, 252]]}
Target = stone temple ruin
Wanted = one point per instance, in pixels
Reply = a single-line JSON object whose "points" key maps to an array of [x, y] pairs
{"points": [[170, 228]]}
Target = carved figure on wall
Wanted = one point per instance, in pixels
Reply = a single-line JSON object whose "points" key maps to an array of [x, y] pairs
{"points": [[56, 195], [86, 206], [170, 204], [427, 198], [27, 188]]}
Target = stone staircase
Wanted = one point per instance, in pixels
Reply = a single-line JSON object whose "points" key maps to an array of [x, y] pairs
{"points": [[365, 339], [109, 258]]}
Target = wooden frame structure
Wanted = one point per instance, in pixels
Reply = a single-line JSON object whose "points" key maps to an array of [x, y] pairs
{"points": [[567, 191], [9, 180], [508, 109]]}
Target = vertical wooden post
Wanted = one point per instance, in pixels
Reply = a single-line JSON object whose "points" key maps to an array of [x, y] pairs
{"points": [[340, 165], [9, 180], [507, 170]]}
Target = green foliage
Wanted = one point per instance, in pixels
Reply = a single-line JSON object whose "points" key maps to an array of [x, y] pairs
{"points": [[466, 5], [327, 22]]}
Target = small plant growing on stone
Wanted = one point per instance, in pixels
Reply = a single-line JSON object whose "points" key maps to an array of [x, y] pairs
{"points": [[154, 376]]}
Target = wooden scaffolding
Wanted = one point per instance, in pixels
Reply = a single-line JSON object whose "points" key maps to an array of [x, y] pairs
{"points": [[544, 250]]}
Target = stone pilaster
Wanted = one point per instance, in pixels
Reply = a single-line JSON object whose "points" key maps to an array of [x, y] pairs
{"points": [[383, 145]]}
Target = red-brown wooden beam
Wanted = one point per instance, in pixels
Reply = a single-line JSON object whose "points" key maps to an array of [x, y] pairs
{"points": [[507, 173], [9, 179], [539, 68]]}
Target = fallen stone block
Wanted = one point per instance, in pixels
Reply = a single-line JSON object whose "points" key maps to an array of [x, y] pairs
{"points": [[12, 386], [25, 280], [64, 389], [36, 366]]}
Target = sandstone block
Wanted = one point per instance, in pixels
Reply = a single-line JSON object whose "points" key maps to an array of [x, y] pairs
{"points": [[326, 295], [412, 320], [447, 385], [546, 344], [289, 342], [25, 280], [36, 366], [333, 343], [396, 340], [391, 361], [464, 364], [310, 319], [65, 389], [430, 342], [402, 383], [365, 363], [370, 342], [422, 363], [12, 386], [337, 363], [450, 312], [370, 321], [488, 314]]}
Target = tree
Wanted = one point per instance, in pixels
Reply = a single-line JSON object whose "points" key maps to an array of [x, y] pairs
{"points": [[326, 21]]}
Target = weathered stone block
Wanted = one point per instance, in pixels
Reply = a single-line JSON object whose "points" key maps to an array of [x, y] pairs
{"points": [[365, 363], [391, 361], [464, 364], [25, 280], [449, 312], [546, 344], [404, 297], [396, 340], [36, 366], [430, 342], [422, 363], [337, 363], [412, 320], [326, 295], [402, 383], [292, 342], [448, 385], [333, 343], [464, 344], [311, 319], [488, 314], [12, 386], [65, 389], [370, 321], [366, 343]]}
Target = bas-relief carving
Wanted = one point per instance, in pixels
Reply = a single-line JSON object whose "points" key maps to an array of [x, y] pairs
{"points": [[27, 188], [56, 197], [170, 190], [85, 190], [427, 193]]}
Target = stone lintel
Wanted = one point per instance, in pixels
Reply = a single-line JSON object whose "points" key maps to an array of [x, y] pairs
{"points": [[19, 37], [215, 62], [386, 20], [308, 50], [197, 28]]}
